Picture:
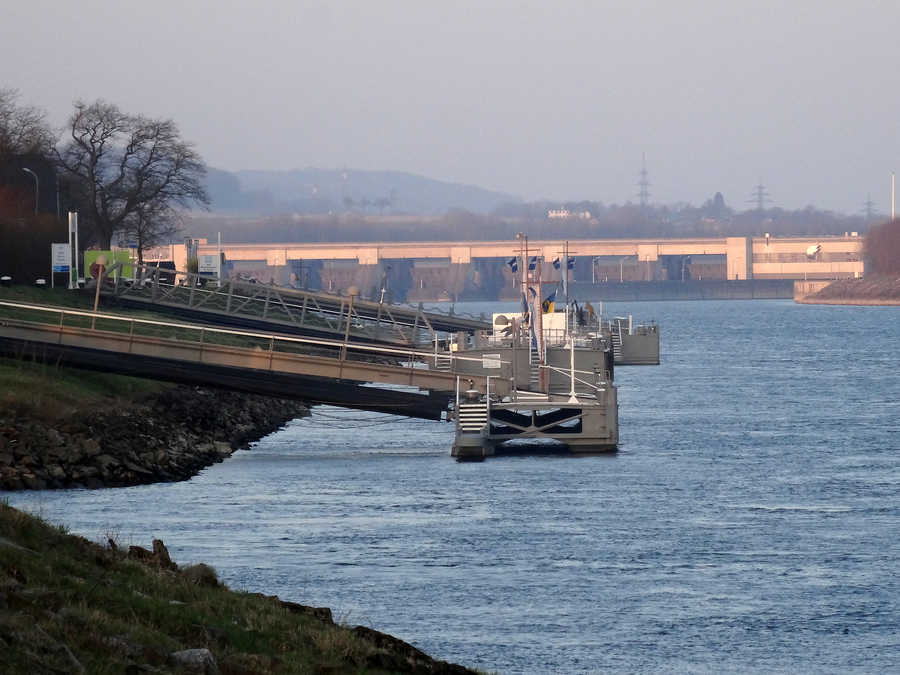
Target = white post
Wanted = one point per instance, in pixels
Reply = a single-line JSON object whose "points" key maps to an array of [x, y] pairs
{"points": [[219, 261], [77, 259], [73, 268], [572, 397], [566, 284]]}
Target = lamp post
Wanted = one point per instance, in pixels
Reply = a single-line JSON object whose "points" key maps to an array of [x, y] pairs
{"points": [[37, 187]]}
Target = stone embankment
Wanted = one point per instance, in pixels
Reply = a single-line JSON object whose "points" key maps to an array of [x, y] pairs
{"points": [[169, 438], [871, 290]]}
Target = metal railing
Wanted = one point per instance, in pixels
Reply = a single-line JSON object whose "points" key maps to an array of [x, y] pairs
{"points": [[599, 385], [135, 327]]}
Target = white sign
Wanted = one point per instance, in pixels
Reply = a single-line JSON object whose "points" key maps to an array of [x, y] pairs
{"points": [[490, 361], [208, 264], [60, 257]]}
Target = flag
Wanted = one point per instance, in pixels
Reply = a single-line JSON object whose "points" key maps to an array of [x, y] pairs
{"points": [[532, 264], [571, 263], [513, 264], [556, 263], [533, 292], [547, 306]]}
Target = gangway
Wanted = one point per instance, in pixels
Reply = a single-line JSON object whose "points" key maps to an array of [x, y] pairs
{"points": [[310, 369], [273, 308]]}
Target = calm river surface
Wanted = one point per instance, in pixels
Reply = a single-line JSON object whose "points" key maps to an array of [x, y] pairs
{"points": [[749, 523]]}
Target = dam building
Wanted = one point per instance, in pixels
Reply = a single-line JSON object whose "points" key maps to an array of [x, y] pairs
{"points": [[475, 270]]}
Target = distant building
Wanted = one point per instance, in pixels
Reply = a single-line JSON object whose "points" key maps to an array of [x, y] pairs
{"points": [[555, 214]]}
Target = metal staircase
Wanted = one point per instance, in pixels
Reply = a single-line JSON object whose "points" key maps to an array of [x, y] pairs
{"points": [[472, 416]]}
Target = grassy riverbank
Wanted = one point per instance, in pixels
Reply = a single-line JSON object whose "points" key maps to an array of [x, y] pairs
{"points": [[69, 605], [49, 392]]}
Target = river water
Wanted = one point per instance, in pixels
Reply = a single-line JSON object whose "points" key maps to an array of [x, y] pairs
{"points": [[749, 523]]}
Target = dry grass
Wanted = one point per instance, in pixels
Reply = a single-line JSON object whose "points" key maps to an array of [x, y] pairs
{"points": [[48, 392], [70, 605]]}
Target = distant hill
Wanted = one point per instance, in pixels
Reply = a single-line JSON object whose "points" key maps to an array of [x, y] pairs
{"points": [[345, 190]]}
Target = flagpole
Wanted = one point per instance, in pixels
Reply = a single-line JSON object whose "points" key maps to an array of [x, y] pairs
{"points": [[539, 320], [566, 285]]}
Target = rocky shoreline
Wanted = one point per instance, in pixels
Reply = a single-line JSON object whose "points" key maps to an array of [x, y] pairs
{"points": [[872, 290], [168, 437]]}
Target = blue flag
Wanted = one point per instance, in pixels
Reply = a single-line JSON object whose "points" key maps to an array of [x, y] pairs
{"points": [[556, 263], [571, 263], [548, 306], [532, 264], [513, 265]]}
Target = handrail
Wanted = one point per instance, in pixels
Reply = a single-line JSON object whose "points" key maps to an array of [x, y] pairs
{"points": [[567, 372], [290, 295], [268, 336]]}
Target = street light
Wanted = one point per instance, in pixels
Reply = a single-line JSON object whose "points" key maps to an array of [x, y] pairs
{"points": [[36, 187]]}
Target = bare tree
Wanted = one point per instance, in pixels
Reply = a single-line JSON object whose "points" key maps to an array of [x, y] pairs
{"points": [[129, 171], [23, 129], [882, 247], [151, 224]]}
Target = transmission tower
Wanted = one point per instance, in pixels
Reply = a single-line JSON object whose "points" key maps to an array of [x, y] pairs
{"points": [[869, 208], [759, 196], [643, 184]]}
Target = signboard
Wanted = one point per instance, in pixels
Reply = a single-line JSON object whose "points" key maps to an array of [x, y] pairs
{"points": [[490, 361], [112, 257], [208, 264], [60, 257]]}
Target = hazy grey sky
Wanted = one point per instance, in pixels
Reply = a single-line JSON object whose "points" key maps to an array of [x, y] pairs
{"points": [[542, 99]]}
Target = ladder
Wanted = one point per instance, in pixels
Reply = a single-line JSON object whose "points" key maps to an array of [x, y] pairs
{"points": [[534, 375], [615, 335], [472, 416]]}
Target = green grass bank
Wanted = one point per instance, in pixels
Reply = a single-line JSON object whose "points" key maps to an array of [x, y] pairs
{"points": [[68, 605]]}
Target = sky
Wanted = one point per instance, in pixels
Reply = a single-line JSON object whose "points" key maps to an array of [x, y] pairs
{"points": [[557, 99]]}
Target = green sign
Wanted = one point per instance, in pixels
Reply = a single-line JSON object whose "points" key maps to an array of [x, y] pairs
{"points": [[112, 257]]}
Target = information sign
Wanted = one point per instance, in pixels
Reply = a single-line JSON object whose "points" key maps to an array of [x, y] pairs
{"points": [[491, 361], [208, 264], [60, 257]]}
